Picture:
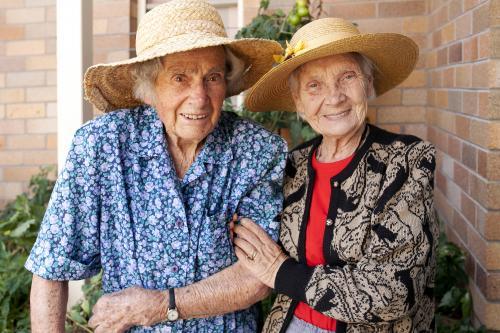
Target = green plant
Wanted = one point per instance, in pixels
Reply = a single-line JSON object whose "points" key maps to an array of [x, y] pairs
{"points": [[454, 303], [78, 317], [280, 26], [19, 224]]}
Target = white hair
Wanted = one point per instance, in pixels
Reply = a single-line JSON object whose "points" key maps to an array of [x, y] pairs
{"points": [[365, 64], [145, 74]]}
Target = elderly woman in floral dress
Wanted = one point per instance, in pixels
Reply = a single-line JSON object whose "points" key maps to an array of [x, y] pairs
{"points": [[148, 189], [358, 228]]}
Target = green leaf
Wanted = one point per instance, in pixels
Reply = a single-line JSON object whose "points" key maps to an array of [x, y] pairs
{"points": [[22, 228]]}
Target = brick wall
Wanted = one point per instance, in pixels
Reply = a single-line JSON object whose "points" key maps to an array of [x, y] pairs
{"points": [[462, 118], [28, 136], [27, 91]]}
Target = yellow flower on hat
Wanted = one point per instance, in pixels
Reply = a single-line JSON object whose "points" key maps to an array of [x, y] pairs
{"points": [[290, 51]]}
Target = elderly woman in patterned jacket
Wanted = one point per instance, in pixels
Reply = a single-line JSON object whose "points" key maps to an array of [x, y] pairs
{"points": [[358, 230], [148, 189]]}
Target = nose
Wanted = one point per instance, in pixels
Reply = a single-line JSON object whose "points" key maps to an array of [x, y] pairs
{"points": [[335, 95], [199, 94]]}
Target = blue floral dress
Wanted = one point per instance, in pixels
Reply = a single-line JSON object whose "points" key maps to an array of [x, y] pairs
{"points": [[119, 206]]}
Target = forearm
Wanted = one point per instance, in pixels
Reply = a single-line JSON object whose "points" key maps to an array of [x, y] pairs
{"points": [[230, 290], [48, 301]]}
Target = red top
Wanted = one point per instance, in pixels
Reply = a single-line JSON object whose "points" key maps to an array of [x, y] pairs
{"points": [[315, 231]]}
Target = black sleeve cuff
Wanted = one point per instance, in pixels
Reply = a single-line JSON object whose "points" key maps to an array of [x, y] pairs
{"points": [[292, 279]]}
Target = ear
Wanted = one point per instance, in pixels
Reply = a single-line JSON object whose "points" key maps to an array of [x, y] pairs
{"points": [[371, 88]]}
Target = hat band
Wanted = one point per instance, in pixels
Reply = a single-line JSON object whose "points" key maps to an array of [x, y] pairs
{"points": [[323, 40], [190, 27]]}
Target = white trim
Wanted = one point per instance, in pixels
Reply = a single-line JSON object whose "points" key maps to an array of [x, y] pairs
{"points": [[74, 56], [141, 9]]}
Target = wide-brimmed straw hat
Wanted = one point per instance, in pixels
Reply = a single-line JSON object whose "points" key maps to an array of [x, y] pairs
{"points": [[393, 55], [176, 26]]}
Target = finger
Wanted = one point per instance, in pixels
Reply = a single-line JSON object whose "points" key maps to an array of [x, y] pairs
{"points": [[242, 257], [256, 229], [247, 234], [247, 248]]}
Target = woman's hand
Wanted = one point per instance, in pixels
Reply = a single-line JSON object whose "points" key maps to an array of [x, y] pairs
{"points": [[116, 312], [257, 251]]}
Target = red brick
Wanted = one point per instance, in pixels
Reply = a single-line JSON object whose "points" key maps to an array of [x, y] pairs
{"points": [[11, 32], [469, 156], [481, 77], [468, 209], [484, 47], [460, 226], [455, 9], [455, 53], [448, 77], [462, 126], [402, 8], [455, 100], [436, 39], [470, 102], [470, 49], [111, 9], [355, 11], [455, 148], [442, 56], [480, 19]]}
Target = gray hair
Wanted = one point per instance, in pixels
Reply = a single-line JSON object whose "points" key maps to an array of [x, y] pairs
{"points": [[146, 73], [365, 64]]}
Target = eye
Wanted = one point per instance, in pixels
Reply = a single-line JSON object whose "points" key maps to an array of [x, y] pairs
{"points": [[179, 78], [349, 76], [214, 77], [313, 85]]}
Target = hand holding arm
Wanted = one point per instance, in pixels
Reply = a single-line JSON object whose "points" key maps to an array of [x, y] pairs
{"points": [[257, 252], [229, 290]]}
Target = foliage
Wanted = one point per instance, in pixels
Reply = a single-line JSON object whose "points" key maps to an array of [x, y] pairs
{"points": [[77, 318], [454, 303], [19, 224], [280, 27]]}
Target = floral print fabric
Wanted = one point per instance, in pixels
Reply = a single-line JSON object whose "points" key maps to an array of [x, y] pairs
{"points": [[119, 206]]}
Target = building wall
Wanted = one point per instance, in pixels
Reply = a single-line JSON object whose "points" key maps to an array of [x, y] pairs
{"points": [[27, 91], [28, 108], [462, 118]]}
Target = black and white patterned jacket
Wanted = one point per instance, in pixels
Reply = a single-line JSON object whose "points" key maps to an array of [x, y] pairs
{"points": [[380, 239]]}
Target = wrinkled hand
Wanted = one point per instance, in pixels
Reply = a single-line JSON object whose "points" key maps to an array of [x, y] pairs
{"points": [[117, 312], [257, 251]]}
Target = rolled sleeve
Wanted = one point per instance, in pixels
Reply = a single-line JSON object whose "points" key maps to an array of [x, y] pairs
{"points": [[67, 246], [264, 202]]}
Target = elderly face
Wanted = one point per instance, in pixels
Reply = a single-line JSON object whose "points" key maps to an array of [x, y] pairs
{"points": [[190, 91], [332, 95]]}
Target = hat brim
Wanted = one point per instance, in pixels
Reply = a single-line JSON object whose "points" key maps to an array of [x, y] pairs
{"points": [[393, 55], [110, 86]]}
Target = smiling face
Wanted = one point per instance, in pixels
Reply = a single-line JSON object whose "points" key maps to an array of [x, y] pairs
{"points": [[189, 93], [332, 94]]}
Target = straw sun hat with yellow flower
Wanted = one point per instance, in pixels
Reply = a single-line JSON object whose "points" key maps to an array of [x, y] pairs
{"points": [[393, 55]]}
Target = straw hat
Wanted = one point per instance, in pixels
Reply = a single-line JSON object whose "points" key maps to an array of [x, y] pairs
{"points": [[176, 26], [394, 56]]}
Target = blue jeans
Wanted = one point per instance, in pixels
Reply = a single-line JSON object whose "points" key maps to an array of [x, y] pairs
{"points": [[299, 326]]}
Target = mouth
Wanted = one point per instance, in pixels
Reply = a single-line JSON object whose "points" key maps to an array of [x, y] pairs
{"points": [[193, 116], [336, 116]]}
